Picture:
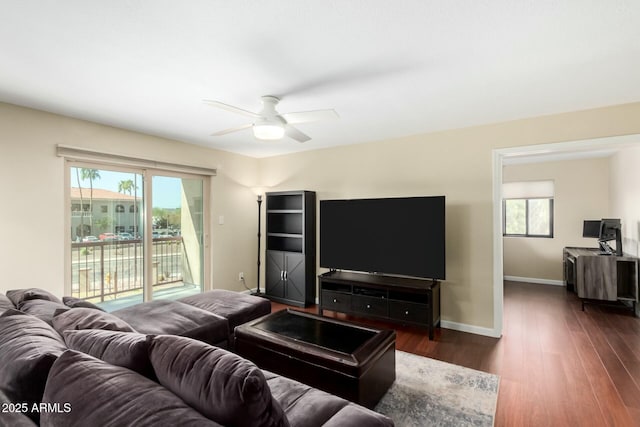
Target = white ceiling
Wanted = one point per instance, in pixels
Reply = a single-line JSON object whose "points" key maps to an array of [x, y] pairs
{"points": [[389, 68]]}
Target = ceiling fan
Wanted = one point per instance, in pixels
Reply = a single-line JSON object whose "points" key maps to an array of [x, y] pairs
{"points": [[268, 124]]}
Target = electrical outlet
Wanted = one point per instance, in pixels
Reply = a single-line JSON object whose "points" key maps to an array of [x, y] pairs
{"points": [[240, 276]]}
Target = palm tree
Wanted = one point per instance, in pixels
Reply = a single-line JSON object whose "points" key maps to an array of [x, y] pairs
{"points": [[127, 186], [90, 174]]}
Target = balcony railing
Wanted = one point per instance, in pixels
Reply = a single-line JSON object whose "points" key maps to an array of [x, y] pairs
{"points": [[109, 270]]}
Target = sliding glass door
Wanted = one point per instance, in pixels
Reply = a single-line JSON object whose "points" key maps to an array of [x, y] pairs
{"points": [[135, 235], [178, 236]]}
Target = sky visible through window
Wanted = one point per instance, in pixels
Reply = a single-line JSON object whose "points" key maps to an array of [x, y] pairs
{"points": [[166, 190]]}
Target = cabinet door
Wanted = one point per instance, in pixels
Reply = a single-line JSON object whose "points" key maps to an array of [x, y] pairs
{"points": [[274, 278], [295, 276]]}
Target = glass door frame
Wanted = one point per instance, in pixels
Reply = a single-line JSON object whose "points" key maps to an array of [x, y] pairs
{"points": [[147, 244], [148, 215]]}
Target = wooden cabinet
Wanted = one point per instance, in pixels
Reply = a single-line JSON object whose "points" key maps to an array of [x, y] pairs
{"points": [[291, 245], [398, 299], [595, 276]]}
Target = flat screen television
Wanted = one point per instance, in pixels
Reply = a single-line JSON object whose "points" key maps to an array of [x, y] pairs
{"points": [[396, 236]]}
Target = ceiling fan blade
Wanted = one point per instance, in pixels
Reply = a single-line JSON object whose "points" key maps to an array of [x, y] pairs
{"points": [[235, 129], [294, 133], [309, 116], [231, 108]]}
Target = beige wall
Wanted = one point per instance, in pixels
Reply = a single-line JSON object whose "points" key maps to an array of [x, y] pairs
{"points": [[32, 215], [457, 164], [581, 192], [625, 197]]}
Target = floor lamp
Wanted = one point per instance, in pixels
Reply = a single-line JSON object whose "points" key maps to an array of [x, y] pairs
{"points": [[257, 292]]}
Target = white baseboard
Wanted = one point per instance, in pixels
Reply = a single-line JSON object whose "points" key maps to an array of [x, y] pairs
{"points": [[534, 280], [463, 327]]}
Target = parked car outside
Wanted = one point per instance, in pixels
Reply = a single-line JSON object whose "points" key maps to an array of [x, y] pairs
{"points": [[90, 239], [108, 237], [125, 236]]}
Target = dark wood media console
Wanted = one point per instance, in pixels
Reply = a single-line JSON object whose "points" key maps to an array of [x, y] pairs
{"points": [[398, 299]]}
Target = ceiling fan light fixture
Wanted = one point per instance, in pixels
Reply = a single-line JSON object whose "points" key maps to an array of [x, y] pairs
{"points": [[268, 131]]}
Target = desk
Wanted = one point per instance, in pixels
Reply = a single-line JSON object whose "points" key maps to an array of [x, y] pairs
{"points": [[595, 276]]}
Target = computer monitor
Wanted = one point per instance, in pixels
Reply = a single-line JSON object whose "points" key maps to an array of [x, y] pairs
{"points": [[610, 229], [591, 228]]}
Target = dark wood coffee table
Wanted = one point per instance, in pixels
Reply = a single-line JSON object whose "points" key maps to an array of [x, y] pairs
{"points": [[350, 361]]}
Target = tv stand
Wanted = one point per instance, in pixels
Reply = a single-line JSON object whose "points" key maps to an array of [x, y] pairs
{"points": [[397, 299]]}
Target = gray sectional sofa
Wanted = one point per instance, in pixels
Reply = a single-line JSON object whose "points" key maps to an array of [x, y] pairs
{"points": [[150, 366]]}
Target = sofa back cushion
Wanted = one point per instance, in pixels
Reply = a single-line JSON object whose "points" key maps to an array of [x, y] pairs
{"points": [[221, 385], [74, 302], [5, 303], [19, 295], [88, 318], [28, 348], [127, 349], [100, 394], [41, 308]]}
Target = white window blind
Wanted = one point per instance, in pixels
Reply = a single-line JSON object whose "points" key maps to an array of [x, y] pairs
{"points": [[528, 190]]}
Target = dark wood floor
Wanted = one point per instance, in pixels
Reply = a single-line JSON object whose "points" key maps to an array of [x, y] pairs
{"points": [[559, 366]]}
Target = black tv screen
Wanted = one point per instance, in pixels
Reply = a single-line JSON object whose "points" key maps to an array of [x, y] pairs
{"points": [[401, 236]]}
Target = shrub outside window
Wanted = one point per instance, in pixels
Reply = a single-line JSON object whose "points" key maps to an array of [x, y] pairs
{"points": [[528, 217]]}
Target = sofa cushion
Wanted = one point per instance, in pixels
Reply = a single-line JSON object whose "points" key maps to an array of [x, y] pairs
{"points": [[237, 308], [303, 405], [221, 385], [354, 415], [100, 394], [174, 318], [74, 302], [13, 312], [41, 308], [13, 414], [5, 303], [127, 349], [88, 318], [28, 348], [19, 295]]}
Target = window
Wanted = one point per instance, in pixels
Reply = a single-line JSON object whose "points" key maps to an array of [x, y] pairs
{"points": [[528, 217], [528, 209], [127, 268], [104, 209]]}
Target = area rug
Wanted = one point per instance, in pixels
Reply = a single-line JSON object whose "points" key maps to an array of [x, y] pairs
{"points": [[428, 392]]}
